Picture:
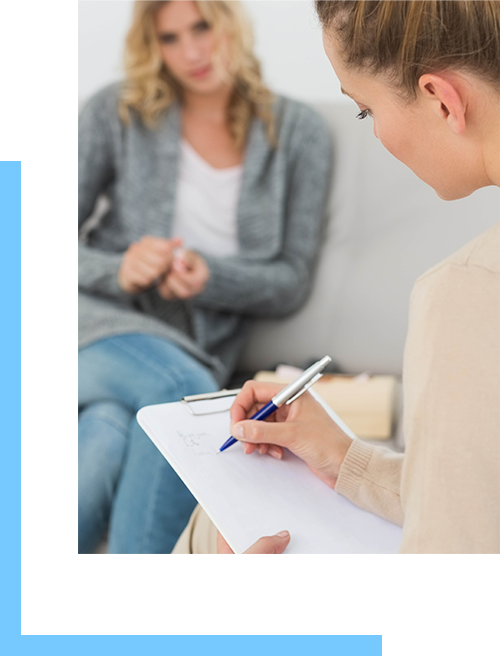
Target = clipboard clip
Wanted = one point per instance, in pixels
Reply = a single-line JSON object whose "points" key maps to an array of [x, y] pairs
{"points": [[187, 400]]}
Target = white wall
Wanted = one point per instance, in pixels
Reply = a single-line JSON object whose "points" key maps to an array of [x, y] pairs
{"points": [[288, 43]]}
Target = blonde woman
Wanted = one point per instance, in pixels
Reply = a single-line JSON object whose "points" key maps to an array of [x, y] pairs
{"points": [[216, 190], [428, 75]]}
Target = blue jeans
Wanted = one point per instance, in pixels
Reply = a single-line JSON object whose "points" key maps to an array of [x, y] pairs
{"points": [[123, 480]]}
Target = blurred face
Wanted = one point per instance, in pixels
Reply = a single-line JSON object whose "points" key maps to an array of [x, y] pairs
{"points": [[412, 132], [187, 47]]}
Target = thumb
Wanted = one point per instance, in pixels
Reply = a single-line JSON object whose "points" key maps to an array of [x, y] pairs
{"points": [[272, 544], [262, 432]]}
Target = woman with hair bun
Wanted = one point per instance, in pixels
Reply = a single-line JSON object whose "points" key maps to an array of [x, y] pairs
{"points": [[428, 73], [216, 191]]}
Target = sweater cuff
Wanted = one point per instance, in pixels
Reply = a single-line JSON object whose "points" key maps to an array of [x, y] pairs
{"points": [[353, 468], [98, 272]]}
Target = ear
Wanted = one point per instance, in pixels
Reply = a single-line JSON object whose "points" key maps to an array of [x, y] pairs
{"points": [[447, 99]]}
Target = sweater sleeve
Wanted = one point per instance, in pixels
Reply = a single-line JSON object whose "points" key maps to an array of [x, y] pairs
{"points": [[370, 477], [278, 287], [451, 476], [97, 269]]}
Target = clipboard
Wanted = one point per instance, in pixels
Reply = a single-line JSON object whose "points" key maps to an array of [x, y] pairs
{"points": [[249, 496]]}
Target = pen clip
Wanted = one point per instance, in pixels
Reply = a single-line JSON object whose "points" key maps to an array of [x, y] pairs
{"points": [[305, 388]]}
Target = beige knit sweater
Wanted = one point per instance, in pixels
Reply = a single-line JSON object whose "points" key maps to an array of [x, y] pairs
{"points": [[445, 490]]}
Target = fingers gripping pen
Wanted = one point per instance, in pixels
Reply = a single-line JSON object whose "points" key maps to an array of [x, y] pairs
{"points": [[288, 394]]}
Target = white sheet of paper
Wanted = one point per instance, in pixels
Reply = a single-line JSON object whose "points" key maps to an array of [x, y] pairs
{"points": [[249, 496]]}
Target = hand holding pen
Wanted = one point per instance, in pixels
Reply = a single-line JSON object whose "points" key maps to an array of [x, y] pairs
{"points": [[288, 394], [303, 427]]}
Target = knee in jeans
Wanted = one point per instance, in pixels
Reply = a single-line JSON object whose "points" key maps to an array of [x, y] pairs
{"points": [[182, 383], [201, 382], [106, 411]]}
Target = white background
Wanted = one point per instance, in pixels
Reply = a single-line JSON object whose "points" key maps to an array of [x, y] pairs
{"points": [[288, 44]]}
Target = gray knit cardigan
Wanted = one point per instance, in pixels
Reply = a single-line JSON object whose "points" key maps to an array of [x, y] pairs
{"points": [[280, 216]]}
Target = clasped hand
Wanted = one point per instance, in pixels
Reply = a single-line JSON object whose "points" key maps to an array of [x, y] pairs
{"points": [[153, 261]]}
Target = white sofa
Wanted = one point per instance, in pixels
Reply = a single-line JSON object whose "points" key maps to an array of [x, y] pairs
{"points": [[385, 228]]}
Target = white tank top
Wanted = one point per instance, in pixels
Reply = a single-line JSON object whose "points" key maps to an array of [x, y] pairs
{"points": [[206, 204]]}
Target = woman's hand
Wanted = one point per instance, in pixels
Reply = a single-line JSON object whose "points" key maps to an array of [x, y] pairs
{"points": [[187, 277], [145, 261], [272, 544], [303, 427]]}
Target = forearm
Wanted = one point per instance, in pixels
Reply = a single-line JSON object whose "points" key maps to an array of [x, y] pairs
{"points": [[261, 289], [98, 271], [370, 477]]}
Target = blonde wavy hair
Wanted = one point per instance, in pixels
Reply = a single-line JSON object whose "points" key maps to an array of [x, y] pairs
{"points": [[149, 89]]}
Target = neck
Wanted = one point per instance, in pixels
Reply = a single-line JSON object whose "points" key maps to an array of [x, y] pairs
{"points": [[212, 107], [495, 168], [492, 139]]}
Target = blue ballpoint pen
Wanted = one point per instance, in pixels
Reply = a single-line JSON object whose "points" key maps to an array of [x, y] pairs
{"points": [[288, 394]]}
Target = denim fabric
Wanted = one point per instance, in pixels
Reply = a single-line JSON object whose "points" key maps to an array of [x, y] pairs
{"points": [[124, 481]]}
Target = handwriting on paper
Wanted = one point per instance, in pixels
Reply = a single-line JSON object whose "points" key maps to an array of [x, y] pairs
{"points": [[197, 442]]}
